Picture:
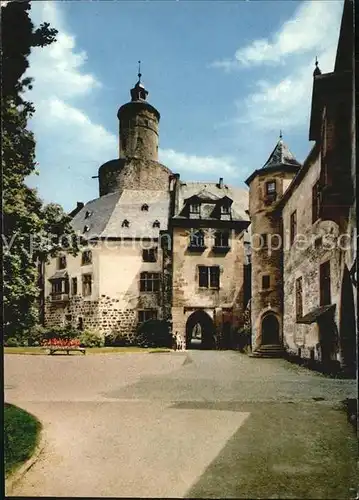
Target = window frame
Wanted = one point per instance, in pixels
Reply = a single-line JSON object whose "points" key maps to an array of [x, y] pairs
{"points": [[299, 297], [266, 278], [62, 258], [207, 275], [221, 239], [325, 295], [153, 314], [153, 251], [293, 226], [87, 281], [271, 192], [316, 201], [150, 282], [197, 210], [196, 240], [86, 261]]}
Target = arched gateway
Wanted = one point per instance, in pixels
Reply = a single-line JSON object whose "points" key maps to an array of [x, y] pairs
{"points": [[200, 331], [270, 330]]}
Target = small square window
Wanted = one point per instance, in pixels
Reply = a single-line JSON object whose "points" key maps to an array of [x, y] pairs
{"points": [[271, 187], [86, 258], [149, 254], [225, 209], [146, 314], [265, 282], [62, 262], [195, 208]]}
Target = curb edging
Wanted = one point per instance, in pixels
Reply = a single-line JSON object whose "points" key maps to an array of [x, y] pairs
{"points": [[19, 473]]}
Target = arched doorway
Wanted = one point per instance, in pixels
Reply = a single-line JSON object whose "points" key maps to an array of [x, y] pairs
{"points": [[270, 330], [347, 324], [200, 331]]}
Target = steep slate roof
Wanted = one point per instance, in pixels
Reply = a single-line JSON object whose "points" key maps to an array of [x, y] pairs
{"points": [[280, 156], [109, 212], [212, 191]]}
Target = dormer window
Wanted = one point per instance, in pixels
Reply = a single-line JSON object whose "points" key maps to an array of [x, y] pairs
{"points": [[194, 208], [125, 223], [156, 223], [86, 229], [225, 210], [144, 207], [88, 214]]}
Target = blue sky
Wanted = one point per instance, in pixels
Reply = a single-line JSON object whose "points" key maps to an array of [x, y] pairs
{"points": [[225, 76]]}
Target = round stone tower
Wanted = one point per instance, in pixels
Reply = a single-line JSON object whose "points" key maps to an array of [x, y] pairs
{"points": [[266, 186], [137, 166]]}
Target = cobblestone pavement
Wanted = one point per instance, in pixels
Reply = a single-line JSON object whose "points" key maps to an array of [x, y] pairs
{"points": [[184, 424]]}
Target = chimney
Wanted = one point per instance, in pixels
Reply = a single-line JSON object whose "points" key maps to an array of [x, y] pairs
{"points": [[220, 183], [80, 205]]}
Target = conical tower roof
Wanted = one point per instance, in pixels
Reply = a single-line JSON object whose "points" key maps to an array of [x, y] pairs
{"points": [[281, 156]]}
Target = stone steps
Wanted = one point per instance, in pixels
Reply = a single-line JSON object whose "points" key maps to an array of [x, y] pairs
{"points": [[268, 351]]}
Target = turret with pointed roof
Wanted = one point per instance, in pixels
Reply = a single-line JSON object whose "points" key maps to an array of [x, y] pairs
{"points": [[281, 159]]}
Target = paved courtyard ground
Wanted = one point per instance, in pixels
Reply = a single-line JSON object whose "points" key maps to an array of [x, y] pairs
{"points": [[184, 424]]}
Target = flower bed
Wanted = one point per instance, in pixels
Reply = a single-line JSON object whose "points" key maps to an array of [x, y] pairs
{"points": [[61, 343]]}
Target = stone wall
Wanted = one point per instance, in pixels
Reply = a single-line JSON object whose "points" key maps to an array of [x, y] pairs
{"points": [[186, 294], [265, 260], [319, 244], [138, 131], [133, 173], [116, 297]]}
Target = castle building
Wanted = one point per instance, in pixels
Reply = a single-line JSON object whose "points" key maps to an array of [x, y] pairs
{"points": [[303, 288], [158, 247]]}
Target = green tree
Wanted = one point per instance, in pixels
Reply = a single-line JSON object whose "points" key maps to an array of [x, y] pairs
{"points": [[25, 219]]}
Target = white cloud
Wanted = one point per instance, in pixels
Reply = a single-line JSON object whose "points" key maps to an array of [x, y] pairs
{"points": [[309, 29], [181, 162], [283, 102], [70, 146]]}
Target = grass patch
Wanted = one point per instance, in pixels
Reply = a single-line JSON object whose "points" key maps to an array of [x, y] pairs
{"points": [[89, 350], [21, 435]]}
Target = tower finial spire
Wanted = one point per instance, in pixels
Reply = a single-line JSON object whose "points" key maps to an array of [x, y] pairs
{"points": [[317, 69], [139, 71], [280, 134]]}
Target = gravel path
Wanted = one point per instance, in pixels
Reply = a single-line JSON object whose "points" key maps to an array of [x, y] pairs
{"points": [[155, 425]]}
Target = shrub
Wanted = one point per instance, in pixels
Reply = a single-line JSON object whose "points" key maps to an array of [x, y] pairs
{"points": [[61, 332], [244, 340], [36, 335], [12, 342], [116, 339], [90, 338], [154, 333]]}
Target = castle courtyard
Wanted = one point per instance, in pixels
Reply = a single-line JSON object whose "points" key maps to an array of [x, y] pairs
{"points": [[184, 424]]}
